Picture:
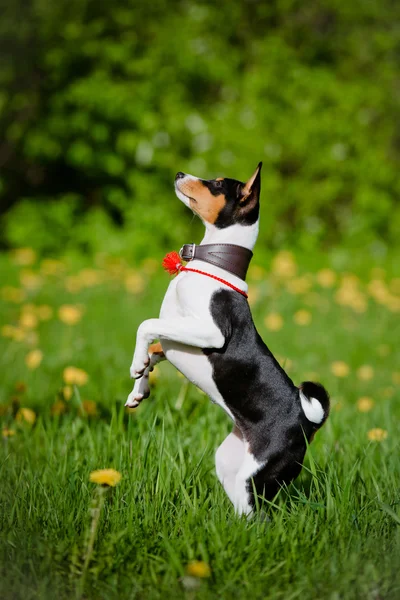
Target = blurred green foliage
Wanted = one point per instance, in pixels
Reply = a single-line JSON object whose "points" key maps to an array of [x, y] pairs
{"points": [[101, 103]]}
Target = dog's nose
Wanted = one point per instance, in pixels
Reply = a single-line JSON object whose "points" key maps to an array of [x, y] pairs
{"points": [[179, 175]]}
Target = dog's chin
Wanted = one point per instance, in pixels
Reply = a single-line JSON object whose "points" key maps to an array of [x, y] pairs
{"points": [[182, 197]]}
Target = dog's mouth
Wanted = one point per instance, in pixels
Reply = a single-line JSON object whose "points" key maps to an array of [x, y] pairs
{"points": [[180, 193]]}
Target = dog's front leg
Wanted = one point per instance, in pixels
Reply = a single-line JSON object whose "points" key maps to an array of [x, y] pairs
{"points": [[201, 333]]}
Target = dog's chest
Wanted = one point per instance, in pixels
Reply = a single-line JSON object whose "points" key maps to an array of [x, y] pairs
{"points": [[185, 297]]}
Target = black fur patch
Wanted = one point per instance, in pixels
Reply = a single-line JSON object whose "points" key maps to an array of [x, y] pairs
{"points": [[261, 396], [235, 211]]}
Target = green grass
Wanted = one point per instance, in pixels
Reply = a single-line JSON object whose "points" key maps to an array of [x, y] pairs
{"points": [[332, 534]]}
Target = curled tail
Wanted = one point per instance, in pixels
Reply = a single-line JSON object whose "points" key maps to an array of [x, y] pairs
{"points": [[315, 402]]}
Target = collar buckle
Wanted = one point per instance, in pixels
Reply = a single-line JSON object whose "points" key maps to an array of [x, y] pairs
{"points": [[187, 252]]}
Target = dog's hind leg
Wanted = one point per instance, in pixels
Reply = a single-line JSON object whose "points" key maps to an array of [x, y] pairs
{"points": [[228, 460], [141, 389]]}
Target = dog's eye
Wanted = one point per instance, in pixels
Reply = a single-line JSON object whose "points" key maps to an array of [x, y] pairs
{"points": [[218, 184]]}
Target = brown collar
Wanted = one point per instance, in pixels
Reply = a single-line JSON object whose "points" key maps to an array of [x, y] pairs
{"points": [[232, 258]]}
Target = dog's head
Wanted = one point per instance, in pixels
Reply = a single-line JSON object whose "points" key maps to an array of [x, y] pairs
{"points": [[221, 202]]}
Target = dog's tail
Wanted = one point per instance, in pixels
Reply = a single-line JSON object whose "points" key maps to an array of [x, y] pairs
{"points": [[315, 402]]}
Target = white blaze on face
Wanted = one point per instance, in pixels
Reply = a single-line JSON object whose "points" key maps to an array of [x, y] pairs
{"points": [[312, 408]]}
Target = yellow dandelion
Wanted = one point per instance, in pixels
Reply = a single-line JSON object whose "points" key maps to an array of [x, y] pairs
{"points": [[30, 280], [51, 266], [67, 392], [150, 266], [365, 373], [302, 317], [393, 304], [107, 477], [377, 434], [134, 282], [273, 321], [20, 387], [340, 369], [383, 350], [73, 284], [256, 273], [89, 407], [28, 320], [70, 314], [13, 294], [396, 377], [365, 404], [253, 294], [33, 359], [299, 285], [44, 312], [326, 278], [58, 408], [24, 257], [14, 333], [26, 415], [284, 264], [395, 286], [6, 432], [198, 568], [90, 277], [75, 376]]}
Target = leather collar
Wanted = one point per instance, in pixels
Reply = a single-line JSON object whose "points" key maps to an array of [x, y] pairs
{"points": [[232, 258]]}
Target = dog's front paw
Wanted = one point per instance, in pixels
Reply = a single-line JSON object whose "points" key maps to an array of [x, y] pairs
{"points": [[138, 366]]}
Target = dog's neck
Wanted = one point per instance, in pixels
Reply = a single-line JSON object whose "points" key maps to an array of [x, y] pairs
{"points": [[241, 235]]}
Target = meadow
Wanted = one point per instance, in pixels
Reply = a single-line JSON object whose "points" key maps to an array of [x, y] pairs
{"points": [[167, 529]]}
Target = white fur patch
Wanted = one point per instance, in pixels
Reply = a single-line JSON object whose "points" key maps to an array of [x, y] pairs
{"points": [[312, 408]]}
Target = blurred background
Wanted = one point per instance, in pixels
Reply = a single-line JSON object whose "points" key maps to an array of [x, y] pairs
{"points": [[102, 103]]}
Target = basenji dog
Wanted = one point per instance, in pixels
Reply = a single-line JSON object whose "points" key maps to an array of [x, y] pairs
{"points": [[207, 332]]}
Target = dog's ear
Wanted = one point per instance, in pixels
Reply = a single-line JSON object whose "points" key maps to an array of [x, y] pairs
{"points": [[250, 192]]}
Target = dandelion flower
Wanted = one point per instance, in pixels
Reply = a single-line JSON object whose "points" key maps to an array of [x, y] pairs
{"points": [[28, 320], [396, 377], [6, 433], [365, 373], [365, 404], [50, 266], [44, 312], [24, 257], [26, 415], [302, 317], [198, 568], [273, 322], [299, 285], [256, 273], [58, 408], [33, 359], [326, 278], [107, 477], [377, 434], [14, 333], [13, 294], [70, 314], [89, 407], [284, 264], [30, 280], [134, 282], [340, 369], [67, 392], [73, 284], [253, 294], [75, 376]]}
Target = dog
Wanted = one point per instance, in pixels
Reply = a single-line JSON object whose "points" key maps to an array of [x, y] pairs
{"points": [[207, 332]]}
